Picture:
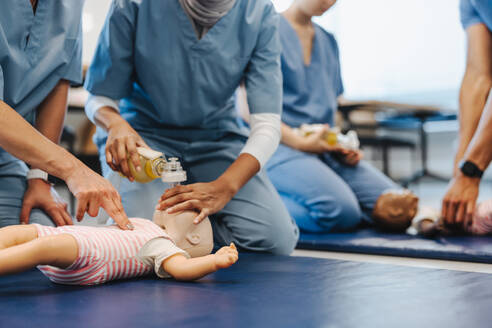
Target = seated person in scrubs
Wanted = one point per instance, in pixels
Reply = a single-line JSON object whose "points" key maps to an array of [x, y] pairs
{"points": [[326, 188], [164, 76], [475, 138], [40, 54]]}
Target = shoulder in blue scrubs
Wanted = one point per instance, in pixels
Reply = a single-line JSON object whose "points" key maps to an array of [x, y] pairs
{"points": [[321, 193], [149, 55], [177, 92], [36, 52], [310, 92], [476, 12]]}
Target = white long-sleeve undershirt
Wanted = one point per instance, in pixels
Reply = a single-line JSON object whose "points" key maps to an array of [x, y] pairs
{"points": [[262, 142]]}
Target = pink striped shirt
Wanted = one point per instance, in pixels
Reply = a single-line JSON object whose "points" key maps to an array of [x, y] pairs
{"points": [[105, 253]]}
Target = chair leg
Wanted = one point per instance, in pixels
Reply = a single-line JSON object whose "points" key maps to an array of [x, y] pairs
{"points": [[385, 156]]}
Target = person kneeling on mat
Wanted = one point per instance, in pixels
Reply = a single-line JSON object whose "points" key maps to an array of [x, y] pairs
{"points": [[171, 246]]}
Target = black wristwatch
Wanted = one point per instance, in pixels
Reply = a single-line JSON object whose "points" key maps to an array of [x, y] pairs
{"points": [[470, 169]]}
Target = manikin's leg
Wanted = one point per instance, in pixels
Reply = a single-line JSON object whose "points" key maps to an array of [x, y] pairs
{"points": [[182, 268], [25, 251], [16, 235]]}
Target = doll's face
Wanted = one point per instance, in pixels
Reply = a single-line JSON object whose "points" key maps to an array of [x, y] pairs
{"points": [[196, 239], [395, 209], [315, 7]]}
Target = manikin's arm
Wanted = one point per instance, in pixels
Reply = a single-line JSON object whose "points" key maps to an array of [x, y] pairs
{"points": [[186, 269]]}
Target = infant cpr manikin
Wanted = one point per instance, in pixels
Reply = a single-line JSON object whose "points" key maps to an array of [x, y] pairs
{"points": [[332, 136], [395, 209], [195, 239]]}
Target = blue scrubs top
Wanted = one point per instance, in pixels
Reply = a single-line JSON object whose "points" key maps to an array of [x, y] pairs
{"points": [[476, 12], [171, 83], [310, 92], [36, 52]]}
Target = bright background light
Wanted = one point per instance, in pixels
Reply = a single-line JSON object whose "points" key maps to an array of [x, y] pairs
{"points": [[398, 49]]}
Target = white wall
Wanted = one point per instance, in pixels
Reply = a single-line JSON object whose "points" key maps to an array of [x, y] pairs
{"points": [[93, 19], [410, 50]]}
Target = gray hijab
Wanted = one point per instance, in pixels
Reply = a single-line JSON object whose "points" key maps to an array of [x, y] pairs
{"points": [[207, 12]]}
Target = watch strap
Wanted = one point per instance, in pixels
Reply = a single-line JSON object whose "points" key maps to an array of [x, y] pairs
{"points": [[37, 174]]}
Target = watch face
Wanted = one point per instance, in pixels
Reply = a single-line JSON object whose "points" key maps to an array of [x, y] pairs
{"points": [[471, 170]]}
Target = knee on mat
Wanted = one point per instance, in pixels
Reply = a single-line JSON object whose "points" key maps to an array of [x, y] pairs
{"points": [[278, 240], [339, 216]]}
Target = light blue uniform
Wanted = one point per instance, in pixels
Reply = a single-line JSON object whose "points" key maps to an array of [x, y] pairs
{"points": [[321, 194], [476, 12], [36, 52], [177, 92]]}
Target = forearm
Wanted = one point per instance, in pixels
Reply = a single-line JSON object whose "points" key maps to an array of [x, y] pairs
{"points": [[20, 139], [51, 113], [289, 137], [479, 150], [182, 268], [239, 173], [473, 96], [476, 84], [107, 117]]}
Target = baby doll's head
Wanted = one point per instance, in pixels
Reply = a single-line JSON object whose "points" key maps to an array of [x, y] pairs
{"points": [[195, 239], [395, 209]]}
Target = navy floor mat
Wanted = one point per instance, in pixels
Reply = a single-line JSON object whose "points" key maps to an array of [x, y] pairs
{"points": [[369, 241], [259, 291]]}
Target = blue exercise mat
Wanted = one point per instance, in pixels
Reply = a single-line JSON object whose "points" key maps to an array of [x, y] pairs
{"points": [[371, 241], [259, 291]]}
